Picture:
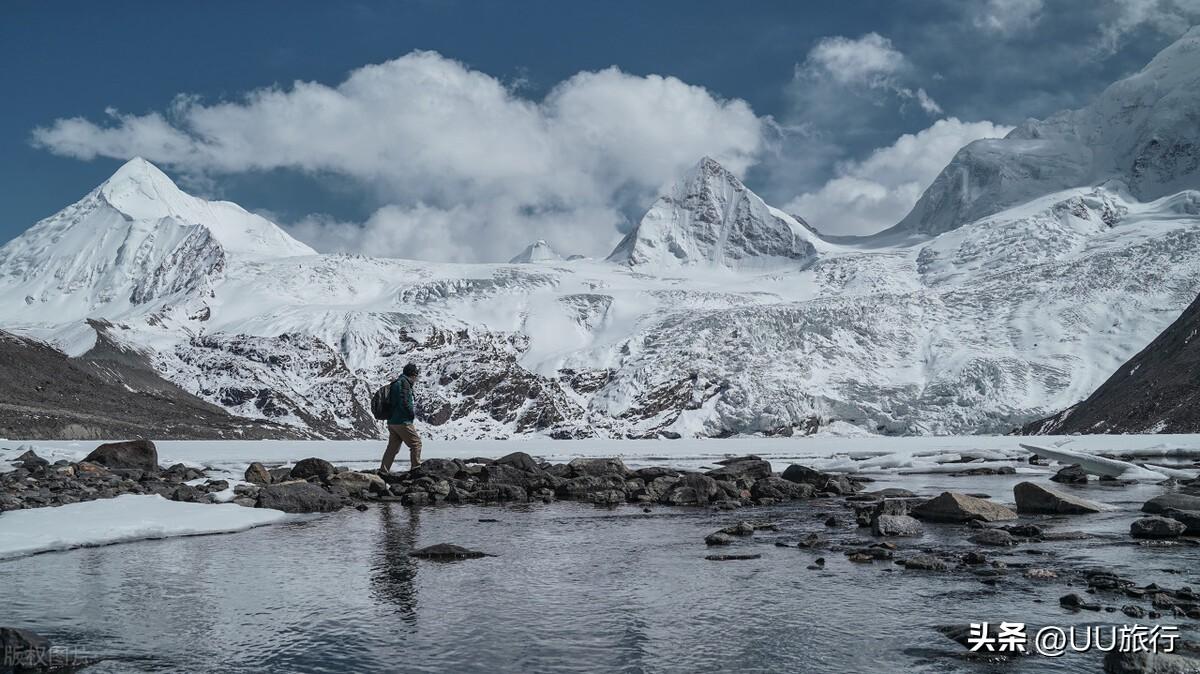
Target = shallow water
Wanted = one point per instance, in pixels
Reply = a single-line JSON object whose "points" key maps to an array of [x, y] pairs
{"points": [[572, 588]]}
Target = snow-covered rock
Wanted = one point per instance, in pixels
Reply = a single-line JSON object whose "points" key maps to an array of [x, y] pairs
{"points": [[709, 218], [1143, 132], [538, 251]]}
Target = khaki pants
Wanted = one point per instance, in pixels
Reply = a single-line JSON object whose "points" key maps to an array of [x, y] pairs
{"points": [[402, 434]]}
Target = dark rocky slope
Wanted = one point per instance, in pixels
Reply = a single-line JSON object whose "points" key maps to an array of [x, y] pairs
{"points": [[1156, 391], [108, 392]]}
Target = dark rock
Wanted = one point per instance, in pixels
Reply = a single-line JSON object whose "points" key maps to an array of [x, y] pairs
{"points": [[974, 558], [312, 467], [1074, 602], [823, 482], [896, 525], [520, 461], [506, 473], [985, 470], [595, 467], [655, 472], [185, 494], [1189, 518], [994, 537], [282, 474], [952, 507], [718, 538], [1133, 611], [778, 488], [130, 455], [1184, 660], [1072, 474], [446, 551], [31, 461], [924, 563], [1156, 527], [1034, 498], [1024, 530], [414, 498], [1163, 502], [298, 497], [258, 474], [442, 469], [749, 466], [731, 558], [362, 507], [692, 489]]}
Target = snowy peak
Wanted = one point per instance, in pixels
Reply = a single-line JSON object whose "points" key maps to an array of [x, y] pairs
{"points": [[1142, 131], [710, 218], [538, 251], [135, 239]]}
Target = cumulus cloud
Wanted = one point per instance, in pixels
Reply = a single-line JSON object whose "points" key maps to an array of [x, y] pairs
{"points": [[877, 192], [1008, 17], [1168, 17], [466, 167], [870, 62]]}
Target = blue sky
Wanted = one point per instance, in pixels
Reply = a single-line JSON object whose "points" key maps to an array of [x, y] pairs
{"points": [[483, 125]]}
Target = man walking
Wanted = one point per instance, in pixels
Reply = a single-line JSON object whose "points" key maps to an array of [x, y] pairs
{"points": [[400, 423]]}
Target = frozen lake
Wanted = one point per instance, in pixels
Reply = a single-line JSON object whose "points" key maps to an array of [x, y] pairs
{"points": [[582, 588]]}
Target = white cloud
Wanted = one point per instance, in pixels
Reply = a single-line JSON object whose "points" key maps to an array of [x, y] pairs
{"points": [[467, 167], [856, 61], [1008, 17], [869, 62], [1169, 17], [869, 195]]}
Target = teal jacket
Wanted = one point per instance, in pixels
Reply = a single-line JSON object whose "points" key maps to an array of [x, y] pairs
{"points": [[404, 405]]}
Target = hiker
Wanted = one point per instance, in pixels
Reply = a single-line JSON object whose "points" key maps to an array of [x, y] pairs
{"points": [[400, 422]]}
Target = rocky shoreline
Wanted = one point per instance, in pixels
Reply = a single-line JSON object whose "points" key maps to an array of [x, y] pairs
{"points": [[885, 528]]}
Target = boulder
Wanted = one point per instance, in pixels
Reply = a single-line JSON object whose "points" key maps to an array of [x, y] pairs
{"points": [[25, 651], [924, 563], [282, 474], [953, 507], [596, 467], [823, 482], [1072, 474], [1036, 499], [1156, 527], [446, 551], [358, 484], [1074, 602], [185, 493], [896, 525], [1163, 502], [731, 558], [258, 474], [994, 537], [298, 497], [655, 472], [130, 455], [1189, 518], [502, 472], [718, 538], [31, 461], [313, 467], [442, 469], [781, 489], [520, 461], [749, 466], [1184, 660], [693, 489]]}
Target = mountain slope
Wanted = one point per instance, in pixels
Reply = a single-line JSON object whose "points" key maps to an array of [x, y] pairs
{"points": [[1156, 391], [709, 218], [1142, 131], [107, 393]]}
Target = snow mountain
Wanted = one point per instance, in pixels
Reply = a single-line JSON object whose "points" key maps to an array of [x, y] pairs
{"points": [[709, 218], [538, 251], [1142, 134], [1009, 297]]}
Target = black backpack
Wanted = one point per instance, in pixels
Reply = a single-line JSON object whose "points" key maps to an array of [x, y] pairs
{"points": [[381, 402]]}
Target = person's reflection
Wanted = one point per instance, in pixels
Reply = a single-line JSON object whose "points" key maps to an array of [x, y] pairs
{"points": [[394, 573]]}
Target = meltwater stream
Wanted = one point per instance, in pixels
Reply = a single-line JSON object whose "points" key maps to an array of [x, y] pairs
{"points": [[572, 587]]}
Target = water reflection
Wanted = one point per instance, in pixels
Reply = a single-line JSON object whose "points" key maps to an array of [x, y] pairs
{"points": [[393, 572]]}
